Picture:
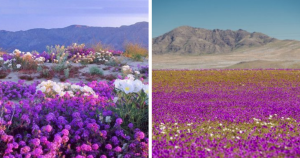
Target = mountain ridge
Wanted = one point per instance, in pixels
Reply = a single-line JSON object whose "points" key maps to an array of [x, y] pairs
{"points": [[190, 40], [37, 39]]}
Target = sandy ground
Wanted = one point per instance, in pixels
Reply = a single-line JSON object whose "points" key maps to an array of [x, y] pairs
{"points": [[14, 76], [281, 54]]}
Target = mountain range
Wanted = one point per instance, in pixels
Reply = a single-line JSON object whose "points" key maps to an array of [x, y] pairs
{"points": [[38, 39], [189, 40], [196, 48]]}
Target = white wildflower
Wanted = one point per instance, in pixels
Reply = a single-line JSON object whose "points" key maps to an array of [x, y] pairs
{"points": [[115, 99], [107, 119], [128, 87], [18, 66], [146, 89], [138, 85], [43, 89], [130, 77], [126, 68]]}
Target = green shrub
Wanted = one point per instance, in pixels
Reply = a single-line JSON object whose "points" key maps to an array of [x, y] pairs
{"points": [[96, 71], [115, 62], [133, 108], [67, 72], [60, 66]]}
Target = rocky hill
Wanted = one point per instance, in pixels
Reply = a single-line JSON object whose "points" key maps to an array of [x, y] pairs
{"points": [[196, 41], [38, 39]]}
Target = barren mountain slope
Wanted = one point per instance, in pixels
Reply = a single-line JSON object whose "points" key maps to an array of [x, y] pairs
{"points": [[277, 54], [189, 40]]}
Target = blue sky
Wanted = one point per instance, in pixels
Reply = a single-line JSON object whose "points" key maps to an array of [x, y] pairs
{"points": [[276, 18], [18, 15]]}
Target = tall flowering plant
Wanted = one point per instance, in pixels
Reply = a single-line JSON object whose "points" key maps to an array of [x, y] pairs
{"points": [[132, 102]]}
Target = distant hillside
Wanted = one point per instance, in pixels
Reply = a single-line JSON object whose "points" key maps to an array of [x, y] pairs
{"points": [[38, 39], [196, 41], [279, 54]]}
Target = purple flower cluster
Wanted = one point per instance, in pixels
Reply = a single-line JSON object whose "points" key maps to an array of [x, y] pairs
{"points": [[143, 69], [226, 113], [78, 49], [7, 57], [102, 88], [44, 54], [13, 90], [66, 126], [116, 52]]}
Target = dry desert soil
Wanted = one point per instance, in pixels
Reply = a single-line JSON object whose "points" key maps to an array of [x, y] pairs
{"points": [[280, 54]]}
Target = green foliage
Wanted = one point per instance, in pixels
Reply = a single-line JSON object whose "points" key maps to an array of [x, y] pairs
{"points": [[133, 108], [57, 49], [96, 71], [39, 68], [67, 72], [115, 62], [137, 57], [46, 73], [84, 62], [60, 66]]}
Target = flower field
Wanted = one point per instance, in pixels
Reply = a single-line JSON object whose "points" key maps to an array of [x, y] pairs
{"points": [[226, 113], [48, 114]]}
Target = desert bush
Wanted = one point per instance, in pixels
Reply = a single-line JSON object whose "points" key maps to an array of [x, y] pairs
{"points": [[67, 72], [101, 47], [47, 73], [116, 62], [4, 73], [85, 60], [116, 52], [21, 60], [60, 67], [56, 52], [76, 49], [61, 64], [29, 63], [102, 57], [126, 69], [135, 52], [94, 70]]}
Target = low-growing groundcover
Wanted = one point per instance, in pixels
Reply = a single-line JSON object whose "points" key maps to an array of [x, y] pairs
{"points": [[226, 113], [49, 119]]}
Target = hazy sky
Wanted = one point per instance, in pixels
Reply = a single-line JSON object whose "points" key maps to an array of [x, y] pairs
{"points": [[276, 18], [18, 15]]}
